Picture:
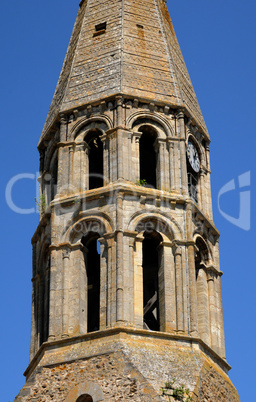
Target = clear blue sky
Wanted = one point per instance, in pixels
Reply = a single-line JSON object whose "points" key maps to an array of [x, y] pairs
{"points": [[217, 39]]}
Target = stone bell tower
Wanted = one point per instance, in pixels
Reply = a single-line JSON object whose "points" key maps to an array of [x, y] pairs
{"points": [[126, 275]]}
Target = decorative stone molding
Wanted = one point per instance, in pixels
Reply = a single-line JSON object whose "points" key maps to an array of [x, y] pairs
{"points": [[86, 388]]}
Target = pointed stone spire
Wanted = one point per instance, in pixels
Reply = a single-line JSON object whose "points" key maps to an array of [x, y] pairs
{"points": [[124, 47]]}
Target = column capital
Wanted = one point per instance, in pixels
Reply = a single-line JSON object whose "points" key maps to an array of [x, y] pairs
{"points": [[137, 135], [170, 143], [177, 250], [63, 119], [81, 146], [180, 115], [119, 100]]}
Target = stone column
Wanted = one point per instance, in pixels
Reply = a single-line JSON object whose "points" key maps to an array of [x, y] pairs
{"points": [[136, 156], [138, 284], [65, 293], [112, 155], [56, 290], [172, 171], [63, 128], [119, 259], [162, 165], [63, 168], [103, 282], [212, 309], [33, 340], [183, 162], [110, 281], [46, 301], [120, 170], [176, 163], [61, 159], [192, 290], [127, 152], [77, 306], [167, 291], [191, 271], [202, 193], [179, 290], [203, 306], [80, 167], [222, 352], [106, 161], [208, 184], [130, 269]]}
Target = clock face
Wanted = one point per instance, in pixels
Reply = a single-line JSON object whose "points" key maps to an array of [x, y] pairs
{"points": [[193, 157]]}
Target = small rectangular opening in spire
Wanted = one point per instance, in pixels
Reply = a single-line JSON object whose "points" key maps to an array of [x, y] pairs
{"points": [[100, 29]]}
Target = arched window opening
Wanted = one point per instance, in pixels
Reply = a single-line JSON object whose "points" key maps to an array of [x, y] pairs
{"points": [[193, 167], [44, 298], [92, 263], [202, 290], [201, 255], [148, 157], [84, 398], [95, 159], [54, 179], [150, 265]]}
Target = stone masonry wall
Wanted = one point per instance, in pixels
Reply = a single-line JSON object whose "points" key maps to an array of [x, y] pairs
{"points": [[133, 370]]}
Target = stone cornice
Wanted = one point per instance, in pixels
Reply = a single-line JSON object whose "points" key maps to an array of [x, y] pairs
{"points": [[82, 110], [119, 331]]}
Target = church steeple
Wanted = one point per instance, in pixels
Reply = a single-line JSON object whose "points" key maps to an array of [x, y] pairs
{"points": [[126, 275], [119, 47]]}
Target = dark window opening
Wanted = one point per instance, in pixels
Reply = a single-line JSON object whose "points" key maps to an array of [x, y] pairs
{"points": [[140, 26], [201, 255], [54, 179], [84, 398], [95, 159], [148, 160], [192, 187], [197, 263], [92, 262], [150, 265], [44, 287], [100, 29]]}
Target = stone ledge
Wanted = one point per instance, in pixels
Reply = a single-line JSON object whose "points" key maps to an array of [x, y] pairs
{"points": [[119, 333]]}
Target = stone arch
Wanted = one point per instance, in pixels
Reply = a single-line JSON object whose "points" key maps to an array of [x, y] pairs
{"points": [[53, 179], [90, 140], [163, 125], [151, 151], [88, 389], [102, 123], [50, 151], [202, 244], [48, 179], [44, 247], [166, 225], [91, 223]]}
